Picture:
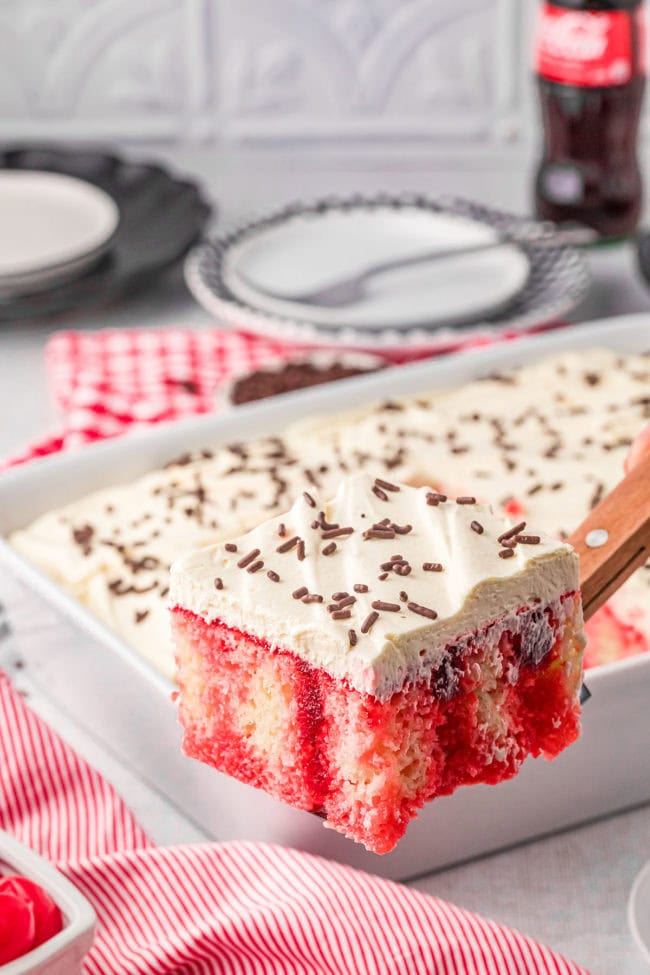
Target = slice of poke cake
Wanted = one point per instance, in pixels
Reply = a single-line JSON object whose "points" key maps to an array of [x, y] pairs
{"points": [[360, 656]]}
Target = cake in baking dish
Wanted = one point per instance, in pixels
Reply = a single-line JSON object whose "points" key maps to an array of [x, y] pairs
{"points": [[542, 443], [362, 657]]}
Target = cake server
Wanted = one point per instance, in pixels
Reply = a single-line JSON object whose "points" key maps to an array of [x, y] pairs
{"points": [[614, 539]]}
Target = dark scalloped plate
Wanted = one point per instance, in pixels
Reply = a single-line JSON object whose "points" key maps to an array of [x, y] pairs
{"points": [[161, 218]]}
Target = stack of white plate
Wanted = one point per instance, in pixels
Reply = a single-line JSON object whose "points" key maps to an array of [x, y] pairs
{"points": [[52, 228]]}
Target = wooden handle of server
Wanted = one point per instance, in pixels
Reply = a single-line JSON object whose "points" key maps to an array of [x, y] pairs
{"points": [[615, 539]]}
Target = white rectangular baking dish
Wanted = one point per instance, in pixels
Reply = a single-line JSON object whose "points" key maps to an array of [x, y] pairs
{"points": [[117, 696]]}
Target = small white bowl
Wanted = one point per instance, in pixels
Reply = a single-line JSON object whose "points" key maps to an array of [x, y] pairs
{"points": [[638, 912], [64, 953]]}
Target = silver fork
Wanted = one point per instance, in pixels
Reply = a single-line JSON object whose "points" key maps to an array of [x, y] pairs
{"points": [[351, 290]]}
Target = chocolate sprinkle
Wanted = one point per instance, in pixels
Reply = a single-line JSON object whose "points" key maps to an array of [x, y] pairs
{"points": [[528, 539], [432, 566], [477, 527], [218, 583], [308, 498], [256, 566], [288, 545], [329, 549], [369, 622], [142, 565], [121, 588], [348, 601], [83, 536], [422, 611], [339, 595], [324, 524], [402, 529], [382, 576], [377, 491], [386, 485], [336, 532], [247, 559], [352, 637], [230, 547], [141, 615], [434, 498], [511, 532], [282, 529], [341, 614], [379, 533], [273, 576], [310, 477], [300, 550], [299, 593], [312, 597], [468, 499], [360, 587], [506, 553], [404, 596], [597, 496], [386, 607]]}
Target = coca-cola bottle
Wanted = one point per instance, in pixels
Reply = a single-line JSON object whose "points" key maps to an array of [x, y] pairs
{"points": [[590, 61]]}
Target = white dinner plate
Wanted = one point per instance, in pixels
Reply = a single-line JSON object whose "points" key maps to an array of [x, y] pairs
{"points": [[423, 308], [312, 250], [51, 226]]}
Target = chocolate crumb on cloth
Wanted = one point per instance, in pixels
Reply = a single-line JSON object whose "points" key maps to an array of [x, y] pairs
{"points": [[287, 377]]}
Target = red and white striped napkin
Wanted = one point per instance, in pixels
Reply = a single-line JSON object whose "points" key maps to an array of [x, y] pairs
{"points": [[105, 382], [233, 908]]}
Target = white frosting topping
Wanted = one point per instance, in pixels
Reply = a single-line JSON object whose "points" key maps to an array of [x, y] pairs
{"points": [[542, 443], [476, 586]]}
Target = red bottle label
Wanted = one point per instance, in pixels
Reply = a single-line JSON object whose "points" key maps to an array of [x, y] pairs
{"points": [[587, 48]]}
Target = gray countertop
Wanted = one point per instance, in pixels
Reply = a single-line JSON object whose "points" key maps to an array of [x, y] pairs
{"points": [[569, 890]]}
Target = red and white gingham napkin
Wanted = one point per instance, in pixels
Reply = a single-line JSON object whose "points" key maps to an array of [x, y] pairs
{"points": [[105, 382], [234, 908]]}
